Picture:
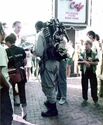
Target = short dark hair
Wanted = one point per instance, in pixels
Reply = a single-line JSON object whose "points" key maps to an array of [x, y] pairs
{"points": [[97, 37], [91, 33], [39, 25], [11, 38], [16, 22]]}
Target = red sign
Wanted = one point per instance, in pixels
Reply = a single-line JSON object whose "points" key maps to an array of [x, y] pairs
{"points": [[72, 11], [75, 5]]}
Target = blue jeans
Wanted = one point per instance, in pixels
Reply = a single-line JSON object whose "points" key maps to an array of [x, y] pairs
{"points": [[62, 80], [6, 111]]}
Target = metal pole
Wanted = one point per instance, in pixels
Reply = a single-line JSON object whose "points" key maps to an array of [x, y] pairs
{"points": [[91, 13]]}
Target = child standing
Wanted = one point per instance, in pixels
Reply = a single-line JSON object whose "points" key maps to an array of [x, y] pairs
{"points": [[88, 61], [29, 63]]}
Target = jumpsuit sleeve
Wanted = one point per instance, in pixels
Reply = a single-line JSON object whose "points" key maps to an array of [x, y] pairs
{"points": [[39, 48], [3, 58]]}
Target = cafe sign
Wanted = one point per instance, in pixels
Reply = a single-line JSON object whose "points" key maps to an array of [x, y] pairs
{"points": [[72, 11]]}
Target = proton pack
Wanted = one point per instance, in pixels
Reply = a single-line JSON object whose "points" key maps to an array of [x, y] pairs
{"points": [[54, 32]]}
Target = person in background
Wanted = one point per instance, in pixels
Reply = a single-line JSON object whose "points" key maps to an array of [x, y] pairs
{"points": [[101, 79], [48, 72], [88, 61], [102, 45], [97, 39], [17, 57], [29, 63], [17, 30], [92, 36], [70, 59], [99, 67], [82, 45], [75, 59], [6, 28], [6, 110]]}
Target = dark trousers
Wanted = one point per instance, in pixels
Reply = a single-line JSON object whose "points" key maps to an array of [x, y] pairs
{"points": [[22, 94], [101, 88], [89, 75], [6, 111]]}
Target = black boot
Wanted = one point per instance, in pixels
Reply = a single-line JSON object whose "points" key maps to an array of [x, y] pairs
{"points": [[52, 111], [47, 104]]}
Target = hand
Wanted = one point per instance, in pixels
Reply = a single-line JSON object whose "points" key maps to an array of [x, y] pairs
{"points": [[87, 63], [3, 82]]}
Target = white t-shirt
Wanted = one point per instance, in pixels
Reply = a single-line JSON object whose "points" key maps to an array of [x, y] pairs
{"points": [[18, 39], [4, 63], [95, 46], [70, 49], [28, 58]]}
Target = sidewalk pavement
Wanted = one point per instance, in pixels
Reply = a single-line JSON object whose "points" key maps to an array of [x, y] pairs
{"points": [[71, 113]]}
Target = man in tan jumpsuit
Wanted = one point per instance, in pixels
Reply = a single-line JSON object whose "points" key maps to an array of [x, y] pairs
{"points": [[48, 71]]}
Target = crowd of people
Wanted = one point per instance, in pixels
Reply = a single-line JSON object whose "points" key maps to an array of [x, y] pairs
{"points": [[16, 65]]}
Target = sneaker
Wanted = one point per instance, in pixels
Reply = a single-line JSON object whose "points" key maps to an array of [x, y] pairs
{"points": [[62, 101], [84, 103]]}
